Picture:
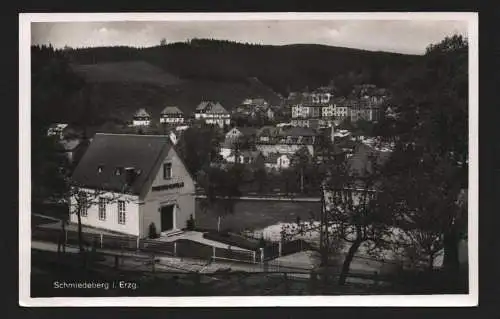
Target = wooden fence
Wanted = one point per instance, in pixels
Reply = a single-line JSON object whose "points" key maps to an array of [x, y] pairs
{"points": [[183, 248]]}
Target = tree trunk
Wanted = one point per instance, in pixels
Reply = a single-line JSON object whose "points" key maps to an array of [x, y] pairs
{"points": [[451, 241], [80, 233], [80, 239], [347, 262], [64, 236]]}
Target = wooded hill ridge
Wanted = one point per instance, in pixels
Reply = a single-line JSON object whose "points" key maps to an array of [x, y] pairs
{"points": [[119, 80]]}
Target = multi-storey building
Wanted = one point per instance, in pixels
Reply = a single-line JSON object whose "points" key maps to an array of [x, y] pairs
{"points": [[213, 113], [172, 115]]}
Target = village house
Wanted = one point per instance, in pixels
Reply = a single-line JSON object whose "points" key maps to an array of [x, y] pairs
{"points": [[315, 110], [266, 134], [288, 141], [239, 132], [277, 161], [141, 118], [130, 182], [213, 113], [342, 110], [242, 157], [57, 130], [226, 148], [172, 115], [298, 135]]}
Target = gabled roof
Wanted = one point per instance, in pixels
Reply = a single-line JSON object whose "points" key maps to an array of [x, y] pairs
{"points": [[217, 108], [299, 131], [202, 106], [141, 113], [110, 151], [211, 107], [172, 110]]}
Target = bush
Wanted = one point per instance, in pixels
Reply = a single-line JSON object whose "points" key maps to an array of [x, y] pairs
{"points": [[152, 231]]}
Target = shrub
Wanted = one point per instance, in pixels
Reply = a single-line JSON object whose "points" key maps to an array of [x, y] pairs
{"points": [[152, 231]]}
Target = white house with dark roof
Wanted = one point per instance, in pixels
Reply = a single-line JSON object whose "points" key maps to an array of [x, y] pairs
{"points": [[172, 115], [212, 113], [141, 118], [133, 181]]}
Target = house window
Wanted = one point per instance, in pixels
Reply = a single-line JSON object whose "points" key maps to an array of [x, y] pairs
{"points": [[102, 208], [83, 204], [167, 171], [121, 212]]}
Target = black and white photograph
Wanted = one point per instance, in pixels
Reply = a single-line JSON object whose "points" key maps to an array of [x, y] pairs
{"points": [[248, 159]]}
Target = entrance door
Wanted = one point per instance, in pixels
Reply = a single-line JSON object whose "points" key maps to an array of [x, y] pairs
{"points": [[167, 218]]}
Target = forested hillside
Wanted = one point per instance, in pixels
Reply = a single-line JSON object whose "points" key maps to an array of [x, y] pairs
{"points": [[115, 81]]}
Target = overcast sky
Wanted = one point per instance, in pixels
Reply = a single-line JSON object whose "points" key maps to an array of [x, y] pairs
{"points": [[394, 36]]}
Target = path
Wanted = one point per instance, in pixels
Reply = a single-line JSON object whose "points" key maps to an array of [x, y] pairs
{"points": [[198, 237]]}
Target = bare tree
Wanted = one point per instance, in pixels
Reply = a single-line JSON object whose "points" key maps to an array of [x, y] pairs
{"points": [[81, 199], [350, 214]]}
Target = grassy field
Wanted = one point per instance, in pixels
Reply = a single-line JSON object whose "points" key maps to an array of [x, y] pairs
{"points": [[251, 215]]}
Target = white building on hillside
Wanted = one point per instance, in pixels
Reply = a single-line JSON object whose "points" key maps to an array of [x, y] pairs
{"points": [[212, 113], [130, 182], [141, 118], [172, 115]]}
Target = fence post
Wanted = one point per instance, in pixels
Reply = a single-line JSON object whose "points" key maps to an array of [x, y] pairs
{"points": [[261, 255], [138, 243], [280, 243], [101, 240], [65, 237], [254, 257], [213, 252], [175, 249], [153, 262]]}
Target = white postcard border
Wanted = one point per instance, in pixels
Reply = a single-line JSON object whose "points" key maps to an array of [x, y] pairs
{"points": [[465, 300]]}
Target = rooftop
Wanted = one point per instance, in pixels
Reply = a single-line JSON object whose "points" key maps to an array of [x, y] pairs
{"points": [[299, 131], [211, 107], [141, 113], [172, 110], [107, 152]]}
